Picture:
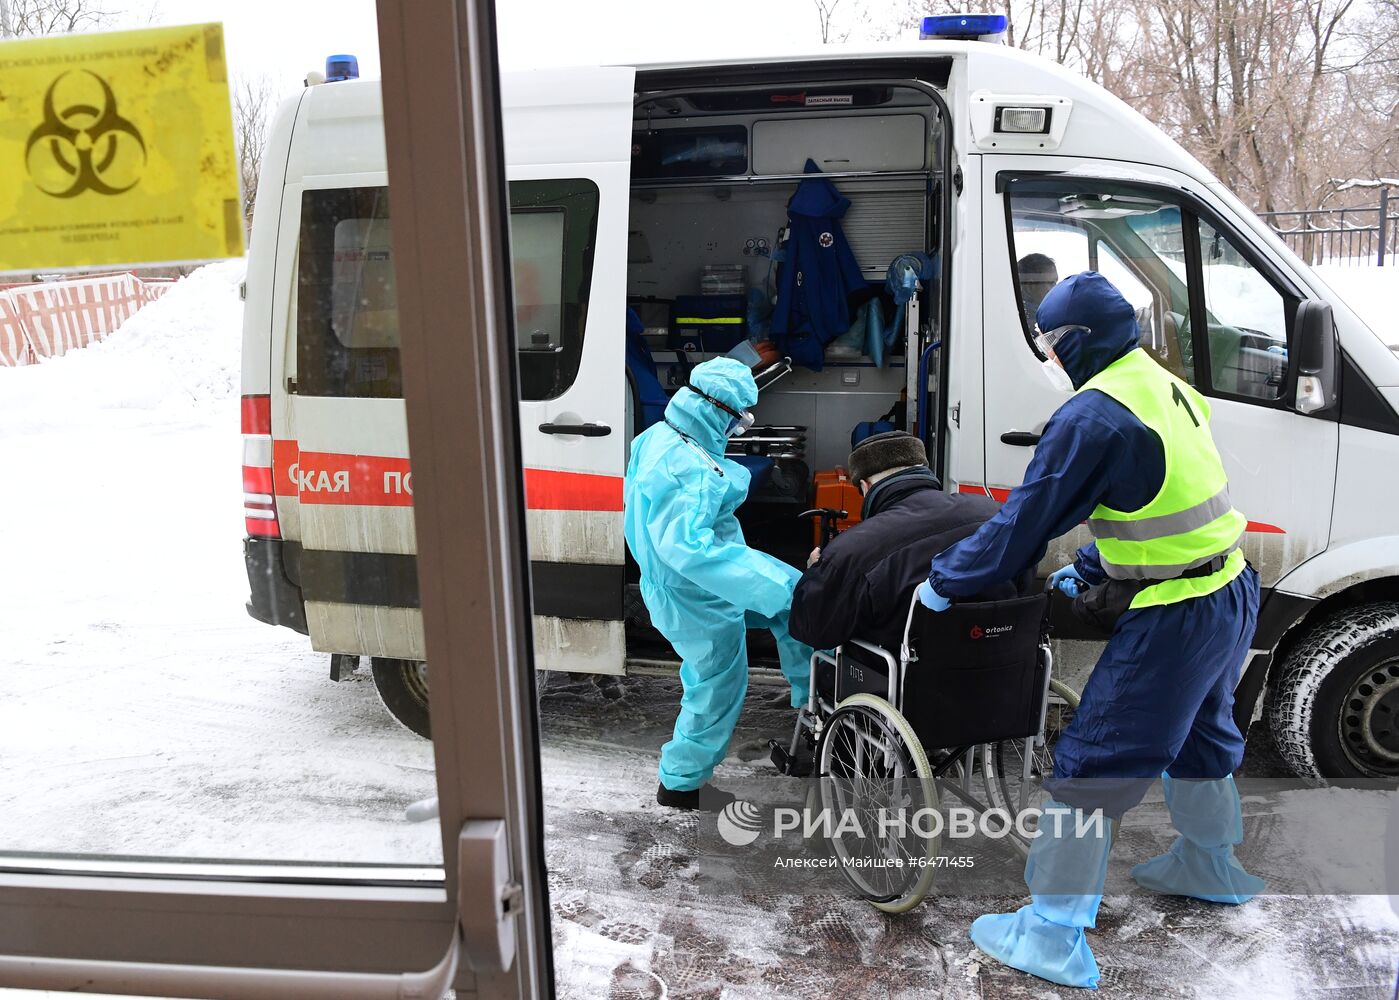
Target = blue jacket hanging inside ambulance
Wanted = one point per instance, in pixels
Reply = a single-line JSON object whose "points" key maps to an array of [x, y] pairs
{"points": [[818, 275]]}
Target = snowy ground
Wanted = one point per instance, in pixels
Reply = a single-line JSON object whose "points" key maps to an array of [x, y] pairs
{"points": [[143, 713], [637, 915]]}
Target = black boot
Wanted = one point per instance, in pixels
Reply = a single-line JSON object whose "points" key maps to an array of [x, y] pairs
{"points": [[706, 798]]}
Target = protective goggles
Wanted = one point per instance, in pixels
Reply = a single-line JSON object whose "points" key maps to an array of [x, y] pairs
{"points": [[742, 419], [1046, 341]]}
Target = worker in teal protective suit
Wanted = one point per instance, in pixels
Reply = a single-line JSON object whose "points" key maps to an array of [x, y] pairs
{"points": [[703, 586]]}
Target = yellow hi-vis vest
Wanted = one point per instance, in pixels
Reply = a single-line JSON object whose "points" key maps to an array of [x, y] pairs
{"points": [[1190, 521]]}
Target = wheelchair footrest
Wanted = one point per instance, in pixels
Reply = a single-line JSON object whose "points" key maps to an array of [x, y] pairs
{"points": [[794, 766]]}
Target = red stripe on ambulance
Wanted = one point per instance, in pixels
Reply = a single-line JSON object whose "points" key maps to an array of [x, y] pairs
{"points": [[997, 493], [377, 481], [319, 477], [1000, 493], [546, 489]]}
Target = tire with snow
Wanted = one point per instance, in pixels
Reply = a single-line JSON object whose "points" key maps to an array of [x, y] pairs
{"points": [[402, 687], [1335, 710]]}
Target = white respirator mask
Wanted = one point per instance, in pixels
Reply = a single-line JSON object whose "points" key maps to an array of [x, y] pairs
{"points": [[1058, 378]]}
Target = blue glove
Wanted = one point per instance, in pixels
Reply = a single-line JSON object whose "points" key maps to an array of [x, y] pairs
{"points": [[1068, 581], [931, 599]]}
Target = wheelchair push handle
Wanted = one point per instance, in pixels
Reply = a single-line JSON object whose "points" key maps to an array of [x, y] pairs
{"points": [[829, 517]]}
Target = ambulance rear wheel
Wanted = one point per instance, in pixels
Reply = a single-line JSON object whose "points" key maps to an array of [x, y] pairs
{"points": [[402, 687]]}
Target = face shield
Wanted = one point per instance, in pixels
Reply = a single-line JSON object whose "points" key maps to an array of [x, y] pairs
{"points": [[1046, 341], [741, 419]]}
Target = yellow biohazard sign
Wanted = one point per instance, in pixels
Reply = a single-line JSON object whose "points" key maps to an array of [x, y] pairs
{"points": [[117, 149]]}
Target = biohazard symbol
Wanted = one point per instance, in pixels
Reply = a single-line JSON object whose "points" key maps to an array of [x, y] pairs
{"points": [[84, 147], [826, 239]]}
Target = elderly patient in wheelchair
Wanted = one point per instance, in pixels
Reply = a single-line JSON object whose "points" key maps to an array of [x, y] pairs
{"points": [[859, 584], [908, 706]]}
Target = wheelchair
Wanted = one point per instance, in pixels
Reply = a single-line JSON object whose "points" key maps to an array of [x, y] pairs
{"points": [[970, 692]]}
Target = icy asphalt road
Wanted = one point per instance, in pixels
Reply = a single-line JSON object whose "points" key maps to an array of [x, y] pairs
{"points": [[142, 713]]}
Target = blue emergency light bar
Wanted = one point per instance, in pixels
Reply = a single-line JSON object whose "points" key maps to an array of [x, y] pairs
{"points": [[341, 67], [962, 26]]}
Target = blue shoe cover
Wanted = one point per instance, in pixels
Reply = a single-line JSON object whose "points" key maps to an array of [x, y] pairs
{"points": [[1201, 862], [1026, 941], [1212, 874]]}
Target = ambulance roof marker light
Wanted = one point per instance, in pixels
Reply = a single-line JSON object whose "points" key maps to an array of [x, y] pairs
{"points": [[964, 27], [341, 67]]}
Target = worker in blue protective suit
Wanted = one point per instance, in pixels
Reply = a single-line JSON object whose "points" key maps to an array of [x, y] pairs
{"points": [[703, 586], [1160, 700]]}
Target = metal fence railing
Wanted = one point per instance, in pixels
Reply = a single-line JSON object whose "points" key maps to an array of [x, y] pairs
{"points": [[1341, 235]]}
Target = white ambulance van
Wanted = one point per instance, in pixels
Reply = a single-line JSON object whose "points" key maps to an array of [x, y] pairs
{"points": [[641, 185]]}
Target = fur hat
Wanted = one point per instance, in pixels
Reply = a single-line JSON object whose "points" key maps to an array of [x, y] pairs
{"points": [[881, 452]]}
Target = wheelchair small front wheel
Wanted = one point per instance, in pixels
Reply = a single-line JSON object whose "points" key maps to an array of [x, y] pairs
{"points": [[879, 803], [1005, 766]]}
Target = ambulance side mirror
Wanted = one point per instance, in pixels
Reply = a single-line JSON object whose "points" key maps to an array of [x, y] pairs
{"points": [[1315, 351]]}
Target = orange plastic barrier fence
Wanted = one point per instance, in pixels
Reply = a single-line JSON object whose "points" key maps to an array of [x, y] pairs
{"points": [[50, 318]]}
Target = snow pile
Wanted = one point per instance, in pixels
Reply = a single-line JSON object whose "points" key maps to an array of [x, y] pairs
{"points": [[179, 356], [1373, 292], [142, 711]]}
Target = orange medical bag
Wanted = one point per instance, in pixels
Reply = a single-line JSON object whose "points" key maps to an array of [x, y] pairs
{"points": [[834, 489]]}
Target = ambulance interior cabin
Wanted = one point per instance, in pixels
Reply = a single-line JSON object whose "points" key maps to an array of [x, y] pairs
{"points": [[707, 271]]}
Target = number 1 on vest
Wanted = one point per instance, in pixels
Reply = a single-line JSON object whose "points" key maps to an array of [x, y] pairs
{"points": [[1179, 397]]}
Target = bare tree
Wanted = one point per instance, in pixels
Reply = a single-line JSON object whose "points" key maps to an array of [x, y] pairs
{"points": [[1256, 89], [825, 10], [1276, 97], [254, 100], [54, 17]]}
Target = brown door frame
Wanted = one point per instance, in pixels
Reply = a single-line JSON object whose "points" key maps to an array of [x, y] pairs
{"points": [[451, 251]]}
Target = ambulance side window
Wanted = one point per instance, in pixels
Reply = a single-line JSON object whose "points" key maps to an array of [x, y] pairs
{"points": [[347, 303], [553, 229], [1247, 319], [1133, 238]]}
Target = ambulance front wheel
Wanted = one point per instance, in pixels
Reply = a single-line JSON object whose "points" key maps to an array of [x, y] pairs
{"points": [[402, 687], [1335, 708]]}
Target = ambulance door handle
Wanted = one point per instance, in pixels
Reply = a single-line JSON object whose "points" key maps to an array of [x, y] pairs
{"points": [[582, 430], [1023, 439]]}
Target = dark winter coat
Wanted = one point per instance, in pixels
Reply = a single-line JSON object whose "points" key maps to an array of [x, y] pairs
{"points": [[865, 578]]}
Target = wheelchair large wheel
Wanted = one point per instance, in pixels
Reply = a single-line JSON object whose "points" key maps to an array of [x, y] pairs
{"points": [[1005, 765], [873, 768]]}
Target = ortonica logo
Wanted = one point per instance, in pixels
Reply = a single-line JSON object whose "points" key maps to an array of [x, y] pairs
{"points": [[740, 823]]}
